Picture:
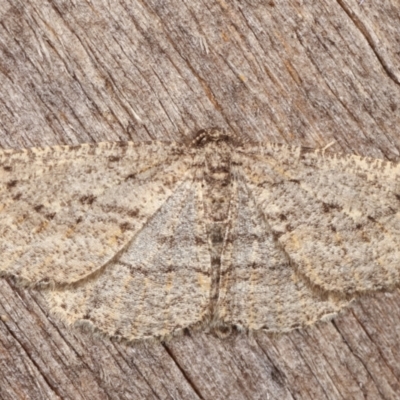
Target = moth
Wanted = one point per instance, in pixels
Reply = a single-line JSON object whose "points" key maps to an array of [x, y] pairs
{"points": [[142, 240]]}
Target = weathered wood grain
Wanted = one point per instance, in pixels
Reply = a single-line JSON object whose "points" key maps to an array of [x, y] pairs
{"points": [[303, 72]]}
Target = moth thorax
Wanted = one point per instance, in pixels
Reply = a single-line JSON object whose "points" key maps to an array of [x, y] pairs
{"points": [[218, 162], [217, 183]]}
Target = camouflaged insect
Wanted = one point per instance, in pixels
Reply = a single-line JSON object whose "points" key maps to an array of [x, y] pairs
{"points": [[144, 240]]}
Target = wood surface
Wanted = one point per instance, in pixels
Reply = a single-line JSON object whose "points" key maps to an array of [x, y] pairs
{"points": [[302, 72]]}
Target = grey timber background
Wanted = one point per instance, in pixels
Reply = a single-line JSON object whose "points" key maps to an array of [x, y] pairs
{"points": [[301, 72]]}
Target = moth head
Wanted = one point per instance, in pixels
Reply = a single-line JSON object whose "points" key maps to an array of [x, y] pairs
{"points": [[213, 135]]}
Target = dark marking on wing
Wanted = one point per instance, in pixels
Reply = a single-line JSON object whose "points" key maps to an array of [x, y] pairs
{"points": [[328, 207], [89, 199], [133, 213], [11, 184], [50, 216], [125, 226]]}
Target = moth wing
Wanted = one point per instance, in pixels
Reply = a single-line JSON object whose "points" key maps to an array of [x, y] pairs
{"points": [[68, 211], [159, 285], [258, 287], [336, 216]]}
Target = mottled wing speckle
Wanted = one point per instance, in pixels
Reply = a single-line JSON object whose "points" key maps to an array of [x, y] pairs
{"points": [[159, 285], [67, 211], [258, 287], [337, 217]]}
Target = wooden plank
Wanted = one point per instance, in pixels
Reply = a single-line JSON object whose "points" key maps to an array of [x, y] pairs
{"points": [[301, 72]]}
